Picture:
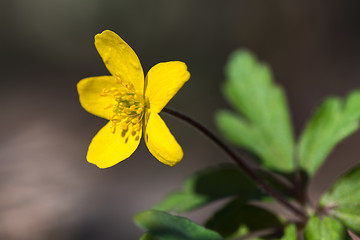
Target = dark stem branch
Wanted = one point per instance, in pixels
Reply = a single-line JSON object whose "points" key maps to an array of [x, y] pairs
{"points": [[262, 233], [298, 180], [238, 160]]}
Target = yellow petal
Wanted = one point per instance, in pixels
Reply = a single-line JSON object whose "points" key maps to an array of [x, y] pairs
{"points": [[163, 81], [107, 148], [89, 90], [160, 142], [120, 59]]}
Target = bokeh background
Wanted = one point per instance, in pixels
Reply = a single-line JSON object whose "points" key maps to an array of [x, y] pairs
{"points": [[49, 191]]}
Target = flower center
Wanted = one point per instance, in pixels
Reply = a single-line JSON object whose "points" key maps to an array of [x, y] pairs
{"points": [[128, 109]]}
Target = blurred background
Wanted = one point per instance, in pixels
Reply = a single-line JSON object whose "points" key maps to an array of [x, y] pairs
{"points": [[49, 191]]}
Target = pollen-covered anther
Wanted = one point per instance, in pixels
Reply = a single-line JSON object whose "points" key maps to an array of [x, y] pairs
{"points": [[113, 128], [135, 121], [124, 125], [117, 95], [126, 111], [114, 90], [136, 127], [139, 110], [132, 107], [105, 92], [117, 119], [137, 96], [129, 86], [118, 78], [108, 106]]}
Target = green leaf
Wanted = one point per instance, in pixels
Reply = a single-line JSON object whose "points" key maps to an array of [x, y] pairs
{"points": [[183, 201], [343, 199], [331, 123], [164, 226], [262, 123], [280, 182], [324, 229], [209, 185], [236, 219], [290, 233]]}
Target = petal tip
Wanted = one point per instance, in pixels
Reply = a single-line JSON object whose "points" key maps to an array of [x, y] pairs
{"points": [[100, 164], [105, 32], [174, 163], [176, 158], [187, 74], [182, 67], [105, 36]]}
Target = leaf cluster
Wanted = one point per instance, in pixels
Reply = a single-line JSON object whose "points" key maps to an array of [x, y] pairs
{"points": [[260, 124]]}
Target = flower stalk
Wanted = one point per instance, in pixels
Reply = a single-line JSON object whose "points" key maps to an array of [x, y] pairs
{"points": [[239, 161]]}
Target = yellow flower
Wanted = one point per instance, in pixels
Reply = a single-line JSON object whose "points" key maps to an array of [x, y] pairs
{"points": [[131, 104]]}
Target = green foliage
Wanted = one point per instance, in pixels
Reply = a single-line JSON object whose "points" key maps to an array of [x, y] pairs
{"points": [[209, 185], [331, 123], [261, 124], [324, 229], [236, 219], [280, 182], [289, 233], [343, 199], [164, 226]]}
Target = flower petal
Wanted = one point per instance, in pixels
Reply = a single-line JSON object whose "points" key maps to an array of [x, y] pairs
{"points": [[163, 81], [120, 59], [107, 148], [160, 142], [89, 90]]}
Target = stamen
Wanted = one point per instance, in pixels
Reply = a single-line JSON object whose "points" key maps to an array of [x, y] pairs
{"points": [[137, 96], [105, 92], [124, 126], [128, 108], [129, 86], [118, 78], [135, 120], [113, 128], [108, 106], [117, 94], [140, 110], [113, 90]]}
